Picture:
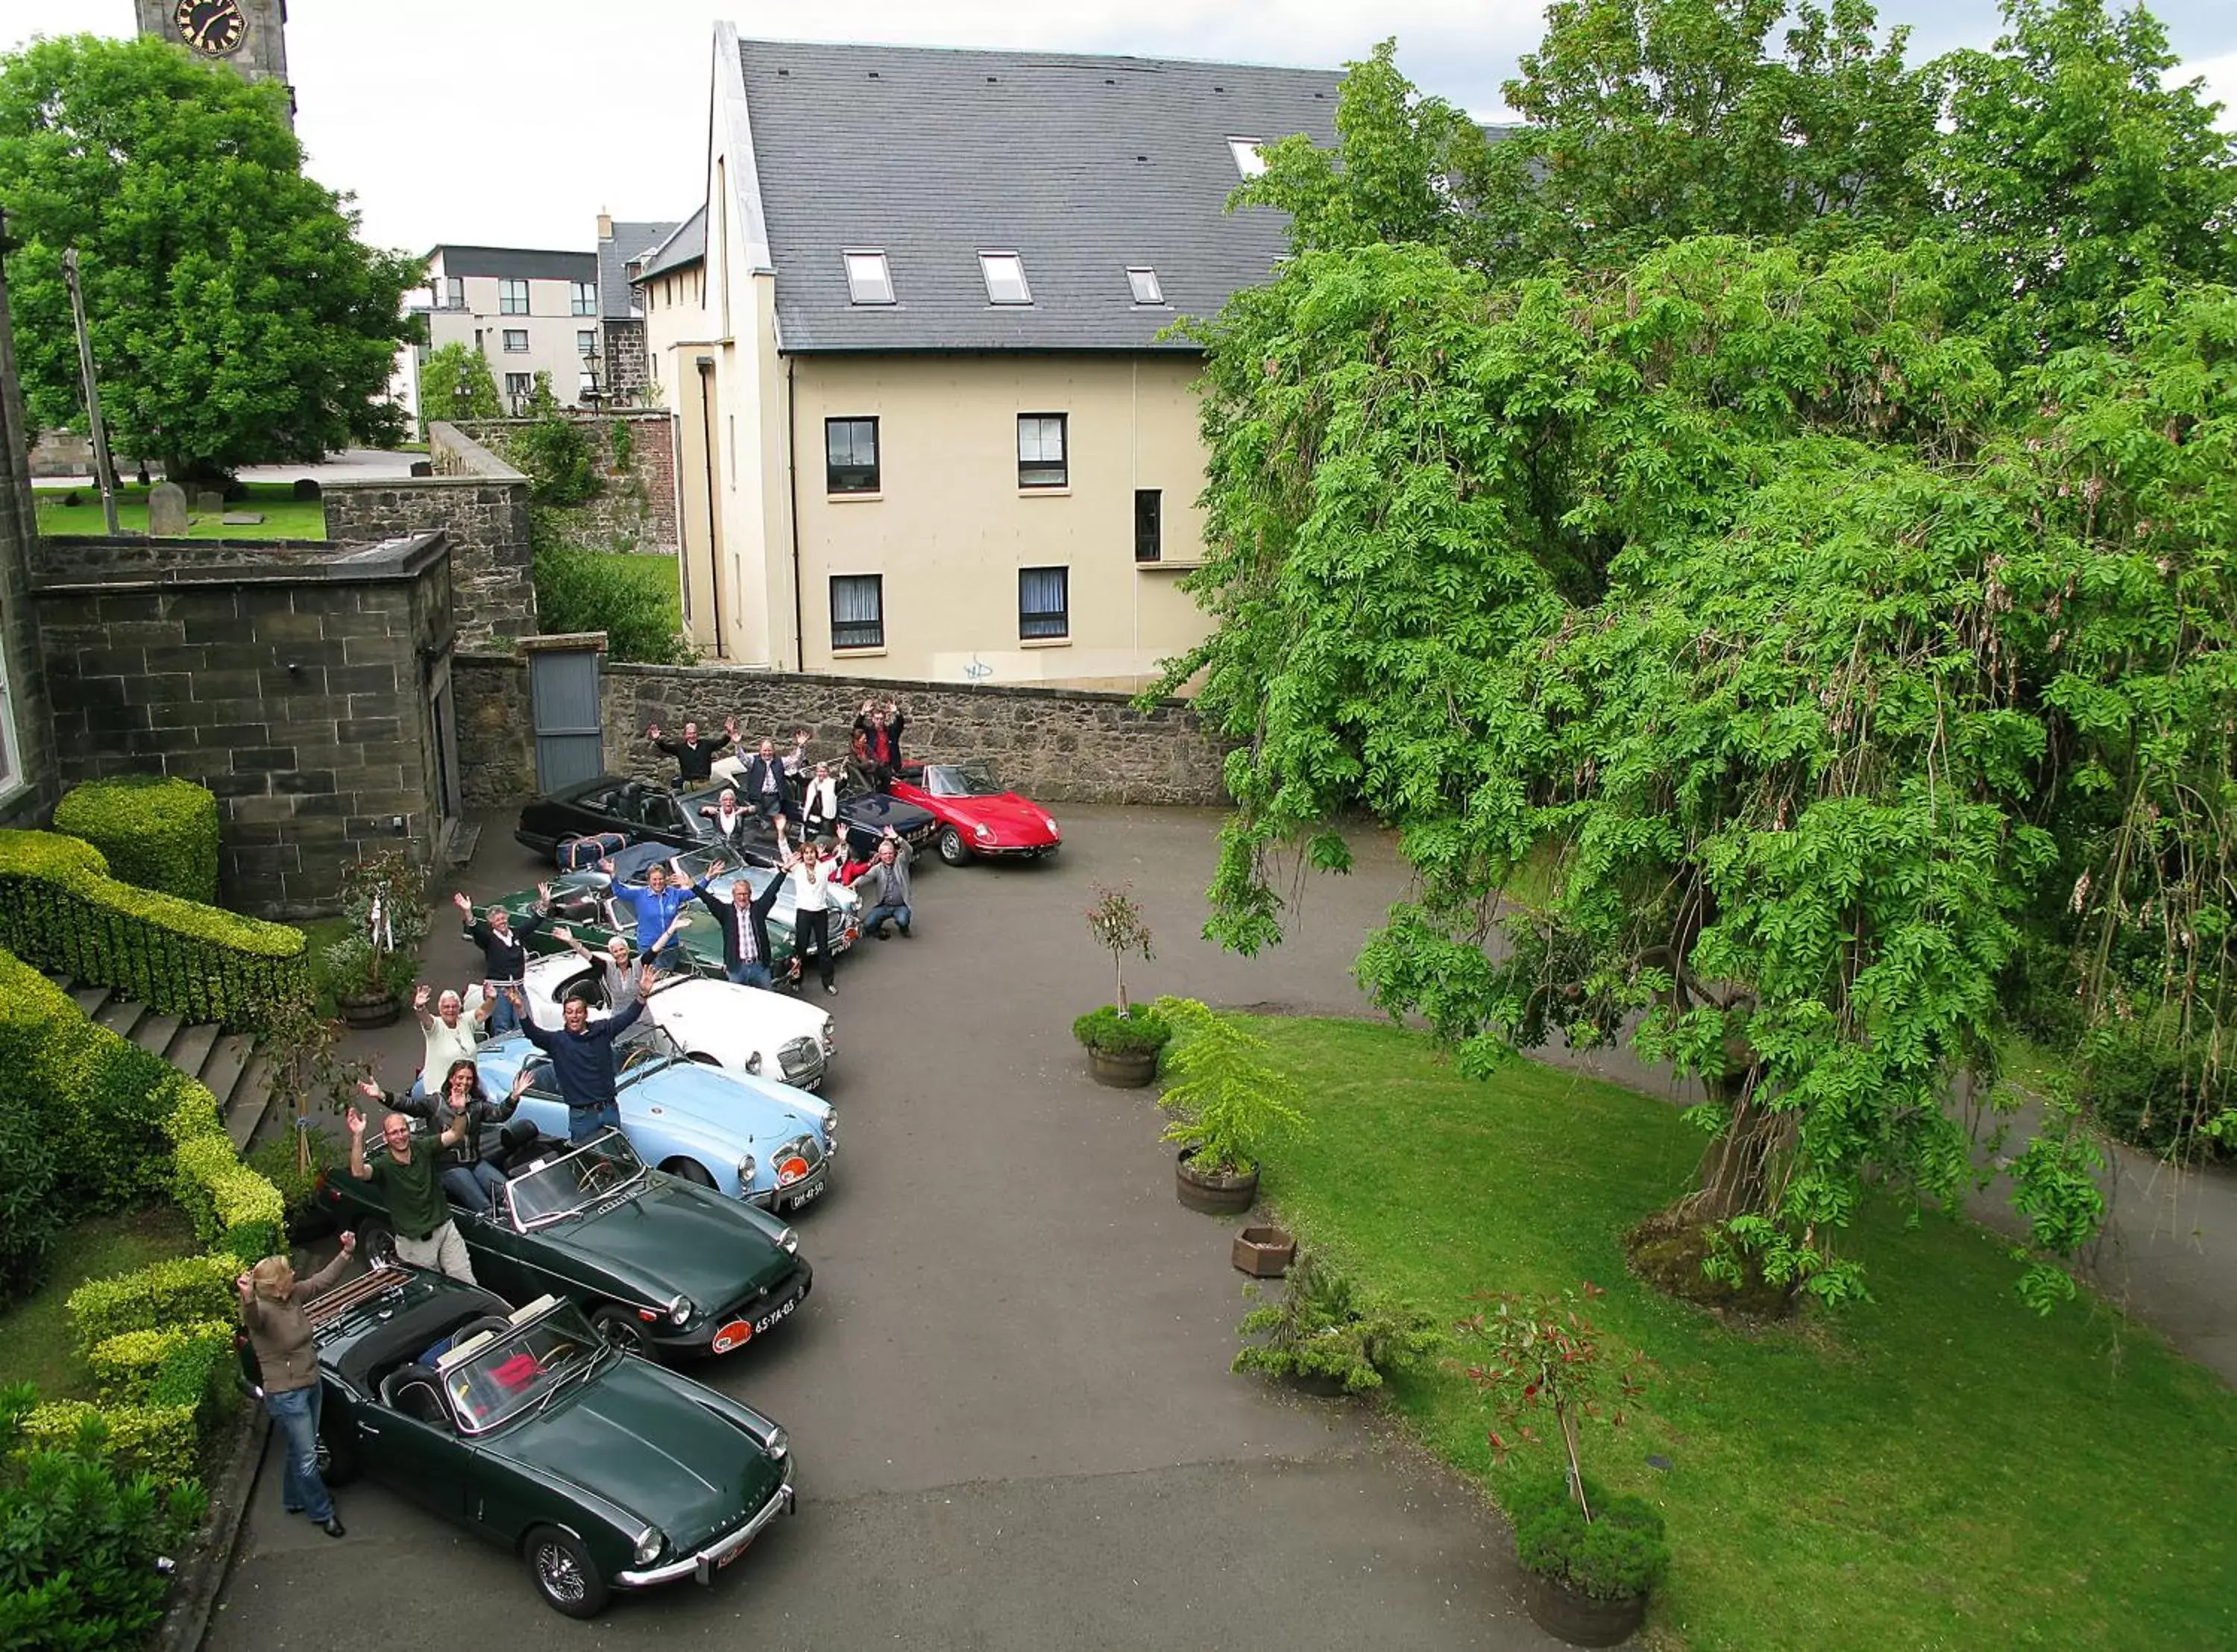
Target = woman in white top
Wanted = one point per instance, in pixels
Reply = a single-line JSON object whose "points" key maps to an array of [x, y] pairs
{"points": [[813, 872], [819, 810]]}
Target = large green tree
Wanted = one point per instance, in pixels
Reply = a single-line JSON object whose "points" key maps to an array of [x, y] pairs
{"points": [[455, 383], [235, 316], [1761, 660]]}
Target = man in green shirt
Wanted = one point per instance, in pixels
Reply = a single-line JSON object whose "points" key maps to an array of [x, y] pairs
{"points": [[407, 1176]]}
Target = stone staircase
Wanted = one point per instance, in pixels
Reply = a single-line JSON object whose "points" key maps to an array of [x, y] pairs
{"points": [[227, 1062]]}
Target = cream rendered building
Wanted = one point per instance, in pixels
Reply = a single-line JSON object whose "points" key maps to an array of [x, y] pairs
{"points": [[928, 429], [526, 313]]}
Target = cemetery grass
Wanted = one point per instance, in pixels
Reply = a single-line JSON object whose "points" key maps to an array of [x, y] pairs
{"points": [[1935, 1468], [285, 516], [35, 1345]]}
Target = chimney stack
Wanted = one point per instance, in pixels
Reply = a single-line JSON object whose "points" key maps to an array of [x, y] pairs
{"points": [[605, 226]]}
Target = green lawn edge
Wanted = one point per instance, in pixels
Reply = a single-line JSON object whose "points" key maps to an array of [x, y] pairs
{"points": [[285, 516], [1937, 1468]]}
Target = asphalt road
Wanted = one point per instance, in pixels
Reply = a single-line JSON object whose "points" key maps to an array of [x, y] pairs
{"points": [[1009, 1394]]}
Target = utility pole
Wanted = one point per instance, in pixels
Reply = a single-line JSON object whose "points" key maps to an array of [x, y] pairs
{"points": [[103, 471]]}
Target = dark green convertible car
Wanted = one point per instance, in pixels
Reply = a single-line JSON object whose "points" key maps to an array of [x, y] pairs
{"points": [[659, 1265], [602, 1471]]}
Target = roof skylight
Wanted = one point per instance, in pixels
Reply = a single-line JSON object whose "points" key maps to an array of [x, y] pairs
{"points": [[1143, 280], [1005, 278], [1248, 161], [869, 278]]}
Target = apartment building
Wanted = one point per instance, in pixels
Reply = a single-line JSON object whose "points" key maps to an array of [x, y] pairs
{"points": [[527, 311], [622, 246], [933, 424]]}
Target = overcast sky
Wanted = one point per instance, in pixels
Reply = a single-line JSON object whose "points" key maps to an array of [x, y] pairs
{"points": [[513, 123]]}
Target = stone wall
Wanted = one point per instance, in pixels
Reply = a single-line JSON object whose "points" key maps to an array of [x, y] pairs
{"points": [[626, 363], [1055, 745], [477, 502], [295, 689], [636, 511]]}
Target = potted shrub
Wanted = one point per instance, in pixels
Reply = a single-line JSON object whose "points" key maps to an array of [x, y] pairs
{"points": [[1122, 1041], [1229, 1100], [1592, 1559], [385, 898], [1326, 1338]]}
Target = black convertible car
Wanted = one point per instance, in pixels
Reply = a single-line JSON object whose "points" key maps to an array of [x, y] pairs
{"points": [[647, 812]]}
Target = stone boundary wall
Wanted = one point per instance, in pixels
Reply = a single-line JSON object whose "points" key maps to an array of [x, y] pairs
{"points": [[1055, 745], [480, 504], [637, 510]]}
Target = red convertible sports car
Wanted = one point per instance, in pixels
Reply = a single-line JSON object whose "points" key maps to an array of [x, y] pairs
{"points": [[976, 816]]}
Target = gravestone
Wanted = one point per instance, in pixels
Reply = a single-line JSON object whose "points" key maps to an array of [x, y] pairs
{"points": [[240, 518], [423, 467], [208, 503], [167, 509], [307, 487]]}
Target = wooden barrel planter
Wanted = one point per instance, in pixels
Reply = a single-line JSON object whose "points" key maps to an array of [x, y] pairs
{"points": [[364, 1011], [1213, 1194], [1129, 1069], [1580, 1619]]}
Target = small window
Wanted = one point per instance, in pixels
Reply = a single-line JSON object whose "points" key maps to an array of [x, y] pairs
{"points": [[1042, 451], [1144, 282], [454, 292], [584, 299], [515, 341], [1005, 278], [1149, 524], [869, 278], [858, 611], [1044, 603], [850, 456], [512, 298], [518, 387], [586, 342], [1248, 161]]}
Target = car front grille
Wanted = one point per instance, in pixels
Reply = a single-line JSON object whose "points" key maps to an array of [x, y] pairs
{"points": [[802, 1062]]}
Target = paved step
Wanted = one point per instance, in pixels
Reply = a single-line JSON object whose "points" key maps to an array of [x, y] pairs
{"points": [[154, 1033], [192, 1047], [462, 841], [251, 1096], [89, 998], [221, 1071], [121, 1016]]}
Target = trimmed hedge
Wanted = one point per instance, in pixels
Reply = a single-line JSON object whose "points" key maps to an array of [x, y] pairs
{"points": [[230, 1204], [157, 833], [161, 1441], [60, 909], [181, 1291], [129, 1365]]}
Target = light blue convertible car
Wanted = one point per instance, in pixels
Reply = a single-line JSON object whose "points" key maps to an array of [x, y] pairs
{"points": [[751, 1138]]}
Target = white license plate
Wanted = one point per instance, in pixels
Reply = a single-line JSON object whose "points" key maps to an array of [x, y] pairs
{"points": [[809, 1195], [774, 1315]]}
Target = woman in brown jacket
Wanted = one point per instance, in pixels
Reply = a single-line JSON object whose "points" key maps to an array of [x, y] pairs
{"points": [[272, 1303]]}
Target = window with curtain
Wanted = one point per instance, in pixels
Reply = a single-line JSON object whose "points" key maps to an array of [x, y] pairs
{"points": [[850, 456], [1043, 603], [1041, 450], [858, 611]]}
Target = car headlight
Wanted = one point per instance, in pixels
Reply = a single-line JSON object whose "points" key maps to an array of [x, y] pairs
{"points": [[754, 1062], [790, 1240], [776, 1444], [679, 1310], [650, 1542], [830, 1129], [830, 1037], [1050, 823], [746, 1167], [984, 832]]}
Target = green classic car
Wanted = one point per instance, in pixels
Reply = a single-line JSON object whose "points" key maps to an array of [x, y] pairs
{"points": [[660, 1265], [600, 1470]]}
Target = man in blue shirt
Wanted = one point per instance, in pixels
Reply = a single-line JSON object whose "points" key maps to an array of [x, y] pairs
{"points": [[655, 906], [582, 1052]]}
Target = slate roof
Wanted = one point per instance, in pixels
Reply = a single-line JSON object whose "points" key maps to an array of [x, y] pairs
{"points": [[629, 241], [516, 263], [685, 245], [1083, 165]]}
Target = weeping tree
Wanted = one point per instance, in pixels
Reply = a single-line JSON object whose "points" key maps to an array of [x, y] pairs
{"points": [[1756, 661]]}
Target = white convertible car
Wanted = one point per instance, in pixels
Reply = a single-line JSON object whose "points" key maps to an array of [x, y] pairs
{"points": [[746, 1030]]}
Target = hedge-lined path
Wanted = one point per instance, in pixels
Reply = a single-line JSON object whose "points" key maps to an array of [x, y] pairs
{"points": [[227, 1063]]}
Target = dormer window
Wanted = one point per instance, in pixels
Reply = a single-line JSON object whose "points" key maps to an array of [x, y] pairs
{"points": [[870, 278], [1248, 161], [1004, 274], [1147, 289]]}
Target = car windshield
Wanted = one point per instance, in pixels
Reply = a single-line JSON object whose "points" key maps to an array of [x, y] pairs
{"points": [[643, 1044], [960, 780], [521, 1368], [558, 1187]]}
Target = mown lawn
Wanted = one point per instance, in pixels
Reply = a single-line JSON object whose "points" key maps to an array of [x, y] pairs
{"points": [[656, 573], [285, 516], [1938, 1468], [34, 1333]]}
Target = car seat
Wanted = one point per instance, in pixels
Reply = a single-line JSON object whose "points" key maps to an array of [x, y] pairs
{"points": [[417, 1391]]}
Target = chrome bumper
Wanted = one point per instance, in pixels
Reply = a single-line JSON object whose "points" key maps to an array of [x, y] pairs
{"points": [[702, 1565]]}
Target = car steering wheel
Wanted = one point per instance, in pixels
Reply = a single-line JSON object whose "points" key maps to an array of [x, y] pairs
{"points": [[637, 1056], [597, 1174]]}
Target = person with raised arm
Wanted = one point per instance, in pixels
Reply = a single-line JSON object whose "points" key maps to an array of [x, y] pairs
{"points": [[694, 758], [407, 1175], [582, 1052], [812, 873], [743, 919], [474, 1182], [272, 1304], [504, 952]]}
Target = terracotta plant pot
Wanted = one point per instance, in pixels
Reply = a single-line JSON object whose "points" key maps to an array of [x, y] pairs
{"points": [[1213, 1194], [364, 1010], [1130, 1070], [1265, 1253], [1580, 1619]]}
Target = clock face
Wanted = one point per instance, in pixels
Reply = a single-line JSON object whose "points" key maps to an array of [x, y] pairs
{"points": [[212, 28]]}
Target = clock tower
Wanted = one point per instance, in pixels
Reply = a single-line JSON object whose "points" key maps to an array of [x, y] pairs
{"points": [[248, 36]]}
